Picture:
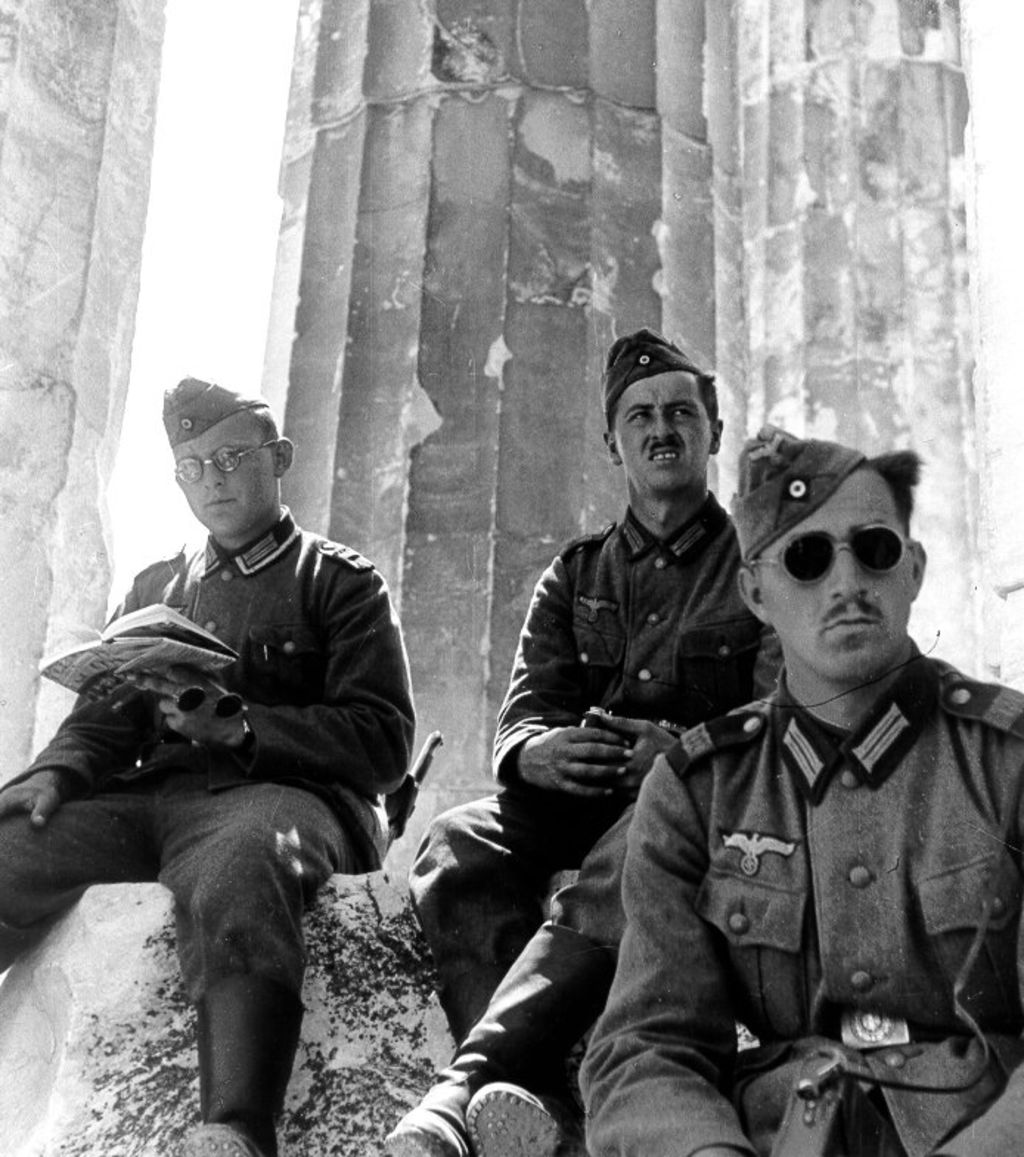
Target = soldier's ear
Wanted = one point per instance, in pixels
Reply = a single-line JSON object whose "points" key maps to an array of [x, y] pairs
{"points": [[716, 437], [613, 450], [751, 593], [284, 452], [918, 562]]}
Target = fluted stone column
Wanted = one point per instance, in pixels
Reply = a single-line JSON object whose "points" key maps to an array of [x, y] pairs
{"points": [[501, 187], [297, 153], [78, 95], [482, 221], [996, 235], [837, 136]]}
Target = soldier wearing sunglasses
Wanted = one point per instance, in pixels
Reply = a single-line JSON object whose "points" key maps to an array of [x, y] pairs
{"points": [[837, 868], [244, 795]]}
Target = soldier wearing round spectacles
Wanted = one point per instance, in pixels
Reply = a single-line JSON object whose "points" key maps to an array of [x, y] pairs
{"points": [[191, 777]]}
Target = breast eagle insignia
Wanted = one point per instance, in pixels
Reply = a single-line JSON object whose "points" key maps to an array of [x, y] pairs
{"points": [[753, 846], [595, 604]]}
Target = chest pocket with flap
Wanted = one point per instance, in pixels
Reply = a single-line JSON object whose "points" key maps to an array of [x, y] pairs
{"points": [[287, 661]]}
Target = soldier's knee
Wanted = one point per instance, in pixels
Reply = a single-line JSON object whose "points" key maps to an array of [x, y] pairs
{"points": [[454, 850]]}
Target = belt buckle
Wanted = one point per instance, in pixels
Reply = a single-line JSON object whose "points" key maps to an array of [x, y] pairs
{"points": [[863, 1029]]}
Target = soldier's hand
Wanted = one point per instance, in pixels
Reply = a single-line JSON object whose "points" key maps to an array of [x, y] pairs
{"points": [[39, 795], [647, 741], [579, 760], [193, 705]]}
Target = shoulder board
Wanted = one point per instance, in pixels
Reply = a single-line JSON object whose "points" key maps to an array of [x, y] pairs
{"points": [[588, 540], [343, 554], [989, 703], [741, 726]]}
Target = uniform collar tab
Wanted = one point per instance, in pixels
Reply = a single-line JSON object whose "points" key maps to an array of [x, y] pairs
{"points": [[895, 722], [687, 542], [258, 554], [809, 749]]}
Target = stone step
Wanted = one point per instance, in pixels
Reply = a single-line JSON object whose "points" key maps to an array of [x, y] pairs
{"points": [[97, 1041]]}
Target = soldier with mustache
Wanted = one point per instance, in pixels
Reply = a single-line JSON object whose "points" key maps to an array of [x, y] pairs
{"points": [[644, 622], [838, 868]]}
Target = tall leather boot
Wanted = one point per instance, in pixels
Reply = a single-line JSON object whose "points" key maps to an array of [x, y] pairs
{"points": [[546, 1002], [248, 1032]]}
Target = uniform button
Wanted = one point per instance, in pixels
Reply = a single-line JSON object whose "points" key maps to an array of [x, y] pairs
{"points": [[895, 1060], [209, 625], [751, 724], [738, 923], [653, 617], [584, 657], [960, 696], [660, 564], [998, 906], [862, 981], [724, 650], [289, 648], [644, 675], [860, 876], [849, 779], [226, 576]]}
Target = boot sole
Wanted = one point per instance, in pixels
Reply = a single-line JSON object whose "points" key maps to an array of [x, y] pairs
{"points": [[416, 1144], [217, 1140], [502, 1123]]}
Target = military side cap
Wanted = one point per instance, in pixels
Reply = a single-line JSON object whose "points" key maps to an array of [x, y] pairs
{"points": [[193, 406], [782, 480], [641, 355]]}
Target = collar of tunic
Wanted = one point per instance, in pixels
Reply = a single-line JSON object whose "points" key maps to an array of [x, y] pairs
{"points": [[256, 555], [812, 751], [685, 543]]}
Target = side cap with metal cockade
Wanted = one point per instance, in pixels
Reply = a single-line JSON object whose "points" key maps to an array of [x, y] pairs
{"points": [[641, 355], [193, 406], [783, 479]]}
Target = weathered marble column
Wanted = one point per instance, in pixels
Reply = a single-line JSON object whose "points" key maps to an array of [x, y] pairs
{"points": [[297, 152], [78, 93], [484, 217], [837, 135], [996, 233], [501, 187]]}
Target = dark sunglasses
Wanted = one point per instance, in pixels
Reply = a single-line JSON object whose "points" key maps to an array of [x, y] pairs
{"points": [[809, 557]]}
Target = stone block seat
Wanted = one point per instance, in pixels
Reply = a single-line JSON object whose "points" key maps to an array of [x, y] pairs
{"points": [[97, 1041]]}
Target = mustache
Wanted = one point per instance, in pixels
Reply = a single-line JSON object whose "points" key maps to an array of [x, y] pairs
{"points": [[856, 606]]}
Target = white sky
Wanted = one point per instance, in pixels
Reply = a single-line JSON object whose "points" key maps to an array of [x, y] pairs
{"points": [[210, 246]]}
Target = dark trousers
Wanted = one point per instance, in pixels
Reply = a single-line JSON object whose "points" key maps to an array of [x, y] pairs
{"points": [[483, 872], [241, 864]]}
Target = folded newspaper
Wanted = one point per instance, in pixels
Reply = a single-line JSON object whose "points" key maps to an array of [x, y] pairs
{"points": [[150, 639]]}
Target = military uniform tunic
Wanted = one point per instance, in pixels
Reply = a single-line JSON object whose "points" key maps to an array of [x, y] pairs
{"points": [[640, 628], [323, 672], [786, 876]]}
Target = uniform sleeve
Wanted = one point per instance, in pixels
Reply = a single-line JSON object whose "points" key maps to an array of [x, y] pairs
{"points": [[360, 735], [666, 1042], [92, 742], [546, 688], [998, 1130]]}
